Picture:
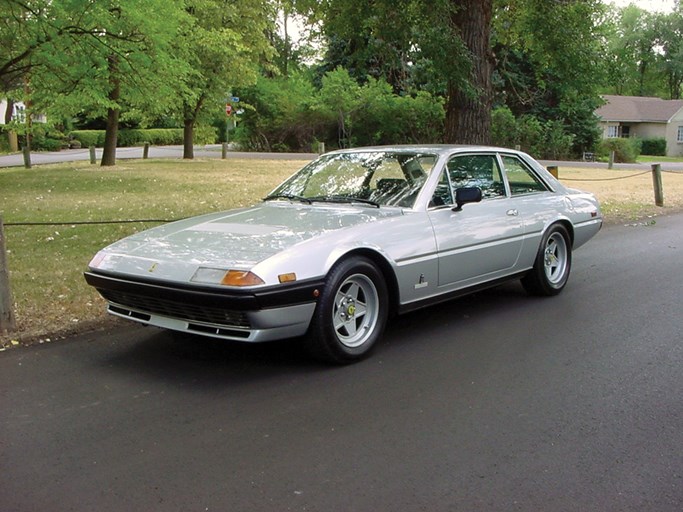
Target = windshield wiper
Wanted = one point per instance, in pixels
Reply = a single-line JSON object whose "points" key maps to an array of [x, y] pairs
{"points": [[289, 197], [344, 199]]}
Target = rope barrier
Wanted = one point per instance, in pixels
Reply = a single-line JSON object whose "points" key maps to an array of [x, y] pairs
{"points": [[608, 179], [91, 223]]}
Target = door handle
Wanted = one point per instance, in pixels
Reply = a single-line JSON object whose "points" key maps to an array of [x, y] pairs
{"points": [[512, 212]]}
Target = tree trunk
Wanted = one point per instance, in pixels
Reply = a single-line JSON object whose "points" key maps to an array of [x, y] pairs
{"points": [[11, 134], [188, 139], [468, 109], [112, 132]]}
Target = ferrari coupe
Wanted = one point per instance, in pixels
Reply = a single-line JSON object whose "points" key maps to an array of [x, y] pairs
{"points": [[351, 239]]}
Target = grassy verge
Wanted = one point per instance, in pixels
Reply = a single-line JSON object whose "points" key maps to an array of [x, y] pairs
{"points": [[46, 262]]}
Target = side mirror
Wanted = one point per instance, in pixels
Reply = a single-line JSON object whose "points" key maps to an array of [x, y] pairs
{"points": [[464, 195]]}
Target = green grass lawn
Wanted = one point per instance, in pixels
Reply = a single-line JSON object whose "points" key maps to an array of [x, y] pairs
{"points": [[46, 262], [646, 159]]}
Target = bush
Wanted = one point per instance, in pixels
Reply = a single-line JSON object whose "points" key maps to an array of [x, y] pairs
{"points": [[152, 136], [88, 138], [625, 150], [45, 138], [653, 147], [503, 128]]}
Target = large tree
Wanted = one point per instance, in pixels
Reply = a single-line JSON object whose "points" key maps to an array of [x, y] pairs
{"points": [[223, 46], [468, 106], [94, 55]]}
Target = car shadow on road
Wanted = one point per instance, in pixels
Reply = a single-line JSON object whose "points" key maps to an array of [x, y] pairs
{"points": [[181, 357]]}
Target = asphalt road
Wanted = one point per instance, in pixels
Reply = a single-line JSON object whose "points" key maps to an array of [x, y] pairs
{"points": [[497, 402], [208, 151]]}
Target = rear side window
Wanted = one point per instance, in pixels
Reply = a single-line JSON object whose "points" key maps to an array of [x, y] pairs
{"points": [[521, 179]]}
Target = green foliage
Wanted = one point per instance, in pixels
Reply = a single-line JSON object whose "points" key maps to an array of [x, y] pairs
{"points": [[548, 139], [653, 147], [290, 115], [503, 128], [45, 138], [138, 137], [278, 115], [222, 45], [550, 59], [88, 138], [625, 150]]}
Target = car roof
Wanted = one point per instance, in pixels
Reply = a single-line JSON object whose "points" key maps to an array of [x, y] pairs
{"points": [[426, 148]]}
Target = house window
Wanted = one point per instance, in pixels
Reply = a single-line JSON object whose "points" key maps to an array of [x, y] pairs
{"points": [[612, 132], [626, 131], [19, 113], [680, 134]]}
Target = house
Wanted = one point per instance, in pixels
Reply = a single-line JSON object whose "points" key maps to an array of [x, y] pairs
{"points": [[18, 113], [644, 118]]}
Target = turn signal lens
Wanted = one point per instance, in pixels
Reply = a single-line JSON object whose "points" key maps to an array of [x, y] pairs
{"points": [[97, 260], [241, 278], [287, 278]]}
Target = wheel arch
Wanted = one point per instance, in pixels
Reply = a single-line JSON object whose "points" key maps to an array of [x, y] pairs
{"points": [[384, 267], [566, 224]]}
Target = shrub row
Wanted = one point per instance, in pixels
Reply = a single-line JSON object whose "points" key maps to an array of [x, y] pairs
{"points": [[138, 137]]}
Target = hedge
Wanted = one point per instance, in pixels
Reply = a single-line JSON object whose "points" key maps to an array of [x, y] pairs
{"points": [[152, 136], [654, 147]]}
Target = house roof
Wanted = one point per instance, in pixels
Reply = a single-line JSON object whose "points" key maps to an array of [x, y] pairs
{"points": [[638, 109]]}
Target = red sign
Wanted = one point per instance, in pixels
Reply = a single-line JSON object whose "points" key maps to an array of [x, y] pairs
{"points": [[228, 109]]}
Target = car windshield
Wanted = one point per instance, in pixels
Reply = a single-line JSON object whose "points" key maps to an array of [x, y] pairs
{"points": [[374, 178]]}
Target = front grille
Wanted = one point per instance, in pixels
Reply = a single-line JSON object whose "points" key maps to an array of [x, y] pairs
{"points": [[173, 309]]}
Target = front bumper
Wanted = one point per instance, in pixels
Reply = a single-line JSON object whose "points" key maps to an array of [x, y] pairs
{"points": [[252, 315]]}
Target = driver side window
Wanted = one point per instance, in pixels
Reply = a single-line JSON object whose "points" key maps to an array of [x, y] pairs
{"points": [[477, 171]]}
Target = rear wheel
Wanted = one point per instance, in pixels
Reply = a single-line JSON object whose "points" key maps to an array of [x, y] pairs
{"points": [[351, 313], [553, 263]]}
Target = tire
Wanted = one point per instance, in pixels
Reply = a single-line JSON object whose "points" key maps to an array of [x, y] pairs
{"points": [[553, 263], [351, 313]]}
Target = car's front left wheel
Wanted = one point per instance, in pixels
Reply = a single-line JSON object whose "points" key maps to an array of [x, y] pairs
{"points": [[351, 313]]}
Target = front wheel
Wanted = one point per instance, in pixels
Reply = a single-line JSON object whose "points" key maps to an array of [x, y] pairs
{"points": [[351, 313], [553, 263]]}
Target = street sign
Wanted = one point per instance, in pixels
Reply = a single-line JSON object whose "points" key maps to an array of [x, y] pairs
{"points": [[235, 99], [228, 109]]}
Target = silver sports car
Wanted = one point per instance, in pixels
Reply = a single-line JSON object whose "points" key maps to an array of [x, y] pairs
{"points": [[354, 237]]}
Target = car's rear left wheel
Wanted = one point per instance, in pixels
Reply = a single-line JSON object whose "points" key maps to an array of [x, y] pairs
{"points": [[351, 314], [553, 262]]}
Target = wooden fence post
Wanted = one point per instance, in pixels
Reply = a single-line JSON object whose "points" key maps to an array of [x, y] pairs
{"points": [[27, 156], [7, 322], [93, 155], [657, 184], [224, 150], [610, 164]]}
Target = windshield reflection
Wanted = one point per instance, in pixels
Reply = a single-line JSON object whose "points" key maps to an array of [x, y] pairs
{"points": [[376, 178]]}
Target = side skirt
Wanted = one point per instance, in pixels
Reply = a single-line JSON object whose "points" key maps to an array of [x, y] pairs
{"points": [[412, 306]]}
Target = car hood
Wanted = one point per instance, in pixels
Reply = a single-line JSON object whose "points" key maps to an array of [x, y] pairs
{"points": [[233, 239]]}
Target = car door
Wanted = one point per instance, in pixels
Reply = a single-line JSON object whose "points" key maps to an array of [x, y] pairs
{"points": [[483, 240]]}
